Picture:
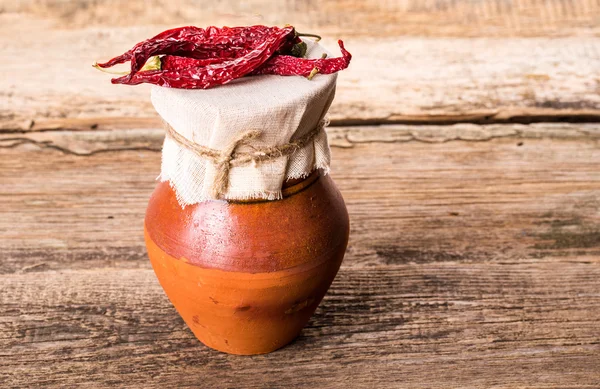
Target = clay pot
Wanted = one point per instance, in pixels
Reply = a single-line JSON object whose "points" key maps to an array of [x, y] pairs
{"points": [[247, 276]]}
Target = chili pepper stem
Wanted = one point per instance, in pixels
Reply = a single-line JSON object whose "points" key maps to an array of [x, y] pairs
{"points": [[107, 71], [313, 73], [153, 63], [317, 37]]}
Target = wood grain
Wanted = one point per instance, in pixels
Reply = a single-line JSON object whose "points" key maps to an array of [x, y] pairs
{"points": [[474, 255], [432, 325], [392, 79], [441, 191], [388, 17], [473, 262]]}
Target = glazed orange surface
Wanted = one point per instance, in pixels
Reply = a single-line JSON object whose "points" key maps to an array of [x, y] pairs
{"points": [[246, 277], [242, 313]]}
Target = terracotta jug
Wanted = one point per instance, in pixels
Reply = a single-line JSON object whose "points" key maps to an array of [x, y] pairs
{"points": [[246, 276]]}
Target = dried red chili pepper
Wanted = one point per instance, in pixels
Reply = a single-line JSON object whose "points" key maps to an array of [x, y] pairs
{"points": [[174, 62], [287, 65], [283, 65], [296, 47], [216, 49], [174, 33], [142, 54], [212, 42], [215, 74], [192, 57]]}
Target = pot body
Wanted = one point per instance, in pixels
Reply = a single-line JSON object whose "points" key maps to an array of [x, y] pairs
{"points": [[247, 276]]}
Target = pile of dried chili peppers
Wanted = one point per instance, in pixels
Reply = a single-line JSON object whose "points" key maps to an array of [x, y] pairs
{"points": [[201, 58]]}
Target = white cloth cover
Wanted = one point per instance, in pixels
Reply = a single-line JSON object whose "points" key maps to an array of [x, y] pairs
{"points": [[283, 108]]}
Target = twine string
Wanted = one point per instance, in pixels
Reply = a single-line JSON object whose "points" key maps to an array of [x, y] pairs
{"points": [[225, 159]]}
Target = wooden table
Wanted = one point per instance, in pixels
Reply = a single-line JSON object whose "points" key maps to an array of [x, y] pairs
{"points": [[468, 155]]}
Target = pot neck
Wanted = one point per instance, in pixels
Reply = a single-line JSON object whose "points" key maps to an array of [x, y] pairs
{"points": [[289, 187], [293, 186]]}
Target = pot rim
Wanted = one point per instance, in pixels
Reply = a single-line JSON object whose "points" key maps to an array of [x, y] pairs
{"points": [[290, 188]]}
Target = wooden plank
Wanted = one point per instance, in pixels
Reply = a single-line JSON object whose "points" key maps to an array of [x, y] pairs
{"points": [[473, 261], [456, 193], [392, 79], [395, 17], [433, 325]]}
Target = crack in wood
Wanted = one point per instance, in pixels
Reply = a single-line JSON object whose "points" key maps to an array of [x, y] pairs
{"points": [[89, 143], [505, 117], [65, 150], [500, 117]]}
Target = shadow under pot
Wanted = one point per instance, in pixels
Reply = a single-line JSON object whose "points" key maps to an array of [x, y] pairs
{"points": [[246, 276]]}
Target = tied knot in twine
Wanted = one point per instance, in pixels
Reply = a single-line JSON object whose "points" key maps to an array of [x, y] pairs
{"points": [[225, 159]]}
